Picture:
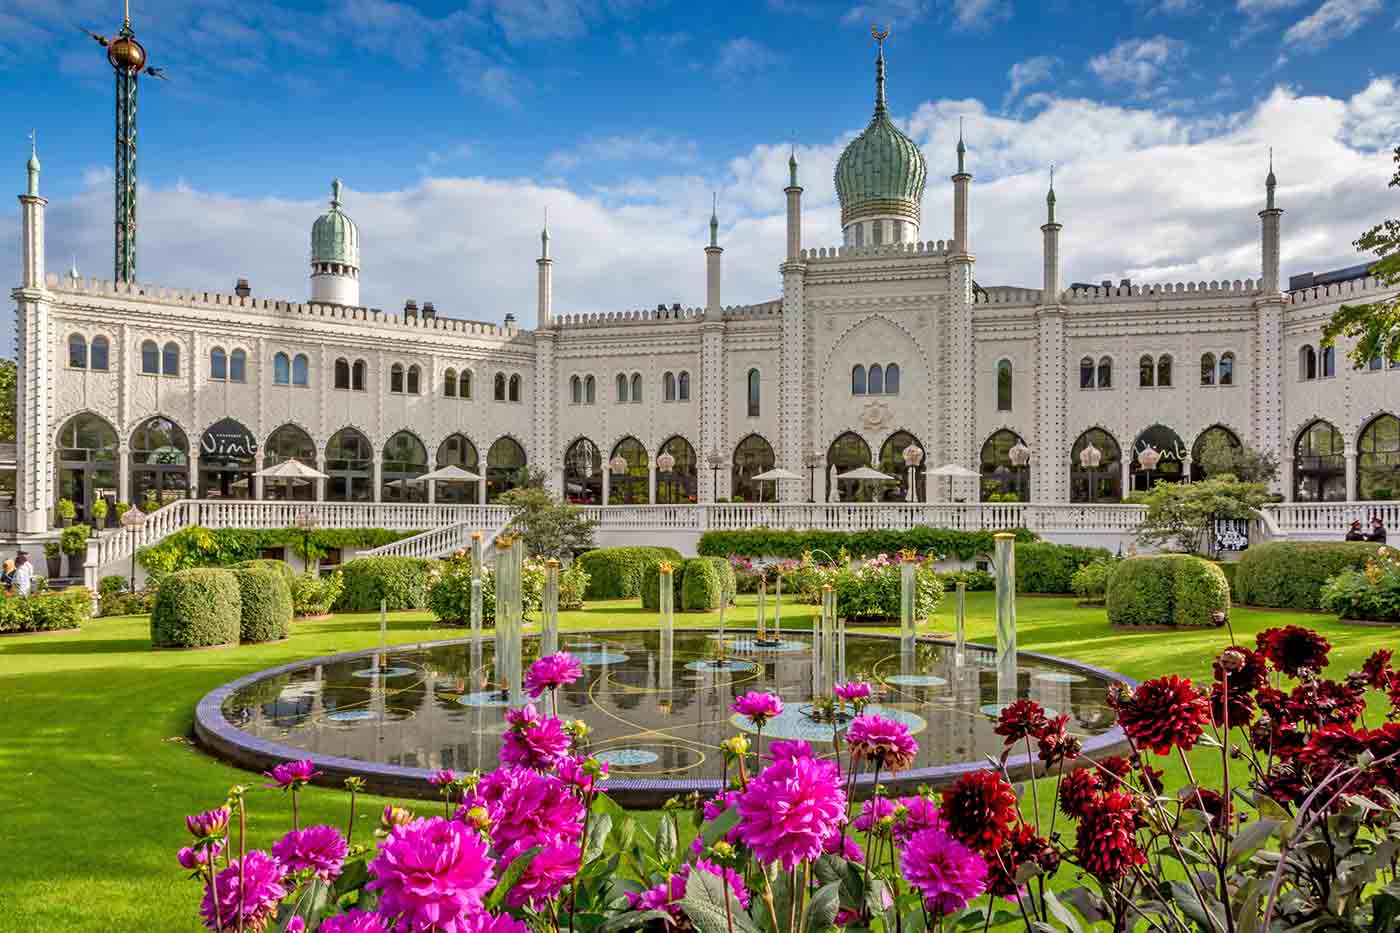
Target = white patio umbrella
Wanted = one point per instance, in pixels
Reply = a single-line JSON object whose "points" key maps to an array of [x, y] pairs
{"points": [[952, 471], [448, 474], [291, 469], [867, 474], [834, 493], [776, 474]]}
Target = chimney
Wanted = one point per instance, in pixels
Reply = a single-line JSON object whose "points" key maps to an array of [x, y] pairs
{"points": [[429, 312], [410, 309], [1126, 283], [676, 307], [510, 319], [661, 306], [1106, 284], [241, 288]]}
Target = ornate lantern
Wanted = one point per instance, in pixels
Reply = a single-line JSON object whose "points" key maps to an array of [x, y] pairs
{"points": [[665, 462], [618, 465], [913, 456], [1149, 457], [1019, 454], [1090, 457]]}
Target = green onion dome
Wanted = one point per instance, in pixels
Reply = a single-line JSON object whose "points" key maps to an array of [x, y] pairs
{"points": [[334, 236], [882, 171]]}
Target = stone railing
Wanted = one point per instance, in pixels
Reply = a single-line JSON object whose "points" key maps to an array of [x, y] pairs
{"points": [[1329, 520], [439, 542]]}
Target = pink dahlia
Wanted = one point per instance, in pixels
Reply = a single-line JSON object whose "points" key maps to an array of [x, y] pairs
{"points": [[787, 811], [872, 812], [844, 845], [533, 740], [482, 922], [759, 707], [257, 898], [209, 823], [442, 778], [668, 894], [883, 741], [546, 875], [292, 774], [581, 773], [196, 858], [713, 807], [947, 873], [552, 672], [527, 807], [789, 748], [321, 849], [432, 874], [913, 814], [854, 691], [354, 921]]}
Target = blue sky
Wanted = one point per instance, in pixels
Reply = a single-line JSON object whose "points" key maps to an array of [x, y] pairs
{"points": [[454, 125]]}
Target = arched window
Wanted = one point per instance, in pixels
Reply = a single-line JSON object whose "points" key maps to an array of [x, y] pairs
{"points": [[1000, 476], [342, 374], [289, 442], [1208, 369], [636, 387], [405, 459], [396, 378], [227, 459], [1095, 468], [238, 366], [892, 379], [77, 351], [1211, 444], [857, 379], [583, 473], [101, 351], [1004, 385], [160, 463], [875, 384], [1329, 362], [457, 451], [1106, 373], [1164, 370], [505, 468], [892, 464], [753, 455], [87, 463], [680, 483], [350, 467], [301, 370], [1086, 373], [515, 387], [668, 387], [1147, 372], [218, 364], [576, 390], [628, 487], [415, 376], [755, 389], [1307, 362], [1378, 459], [281, 370], [357, 373], [170, 359], [1319, 464], [590, 390], [1227, 369], [622, 384], [449, 383], [150, 358], [464, 384], [1170, 466], [683, 386], [846, 453]]}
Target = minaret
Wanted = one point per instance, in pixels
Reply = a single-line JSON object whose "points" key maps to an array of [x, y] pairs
{"points": [[33, 360], [1268, 375], [1269, 218], [962, 181], [545, 312], [1048, 477], [335, 255], [32, 223], [1050, 232], [712, 256], [794, 209]]}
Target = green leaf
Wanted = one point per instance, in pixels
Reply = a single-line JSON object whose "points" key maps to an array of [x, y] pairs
{"points": [[1385, 913], [354, 874], [632, 919], [1248, 906], [1062, 913], [820, 912], [599, 828], [667, 840], [510, 876], [1089, 904], [1209, 917], [1250, 838], [716, 829], [310, 903], [705, 905]]}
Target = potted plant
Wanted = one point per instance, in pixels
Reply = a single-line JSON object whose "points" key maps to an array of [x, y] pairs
{"points": [[152, 501], [74, 543], [67, 511], [122, 508], [99, 513], [53, 552]]}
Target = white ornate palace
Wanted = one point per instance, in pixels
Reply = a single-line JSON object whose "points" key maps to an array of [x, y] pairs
{"points": [[150, 394]]}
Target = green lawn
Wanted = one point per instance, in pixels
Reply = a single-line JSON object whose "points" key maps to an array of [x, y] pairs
{"points": [[97, 770]]}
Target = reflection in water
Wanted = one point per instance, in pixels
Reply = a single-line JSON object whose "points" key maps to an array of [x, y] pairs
{"points": [[653, 712]]}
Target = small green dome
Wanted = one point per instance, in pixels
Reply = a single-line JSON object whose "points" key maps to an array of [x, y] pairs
{"points": [[334, 236], [882, 171]]}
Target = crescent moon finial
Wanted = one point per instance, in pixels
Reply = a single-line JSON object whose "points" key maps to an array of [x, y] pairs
{"points": [[878, 34]]}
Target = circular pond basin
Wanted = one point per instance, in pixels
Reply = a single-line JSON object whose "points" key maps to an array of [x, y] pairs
{"points": [[394, 717]]}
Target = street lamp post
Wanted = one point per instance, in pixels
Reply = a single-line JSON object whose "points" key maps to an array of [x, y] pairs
{"points": [[1149, 457], [716, 461], [666, 463], [132, 521], [306, 522], [1020, 456], [1090, 458], [813, 460], [618, 466], [913, 456]]}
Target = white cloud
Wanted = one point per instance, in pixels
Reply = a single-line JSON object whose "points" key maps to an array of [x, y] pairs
{"points": [[979, 14], [644, 146], [742, 56], [1140, 63], [1335, 19], [887, 13], [1265, 7], [1028, 73]]}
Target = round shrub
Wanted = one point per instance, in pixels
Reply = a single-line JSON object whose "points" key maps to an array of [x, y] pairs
{"points": [[279, 567], [1166, 590], [195, 608], [112, 583], [266, 603], [401, 582], [704, 585], [1049, 568], [616, 572], [314, 595], [651, 583], [1090, 582], [47, 612], [1290, 574]]}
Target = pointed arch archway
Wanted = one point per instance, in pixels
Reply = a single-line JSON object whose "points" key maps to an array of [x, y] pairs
{"points": [[456, 450], [892, 462], [1000, 476], [1378, 459], [1095, 468], [506, 467], [86, 456], [289, 442], [583, 473], [752, 455], [1319, 464], [627, 469], [680, 483], [847, 452], [160, 463], [350, 466]]}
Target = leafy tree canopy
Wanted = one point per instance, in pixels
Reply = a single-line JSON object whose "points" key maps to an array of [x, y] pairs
{"points": [[1376, 325]]}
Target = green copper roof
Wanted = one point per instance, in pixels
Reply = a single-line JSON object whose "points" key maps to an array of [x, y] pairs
{"points": [[334, 236], [882, 171]]}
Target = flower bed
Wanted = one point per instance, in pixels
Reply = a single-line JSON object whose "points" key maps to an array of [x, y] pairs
{"points": [[1371, 593], [450, 592]]}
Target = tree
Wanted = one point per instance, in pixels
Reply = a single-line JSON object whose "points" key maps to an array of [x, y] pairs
{"points": [[549, 527], [1245, 463], [1375, 325], [7, 400], [1179, 514]]}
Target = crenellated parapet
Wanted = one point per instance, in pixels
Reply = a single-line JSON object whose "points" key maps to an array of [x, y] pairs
{"points": [[1239, 288], [1007, 295], [644, 316], [913, 248], [1322, 294]]}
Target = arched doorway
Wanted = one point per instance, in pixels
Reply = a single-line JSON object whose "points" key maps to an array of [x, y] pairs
{"points": [[289, 442], [87, 463], [752, 456], [1319, 464], [405, 459], [350, 467], [227, 460], [1000, 476], [160, 463], [1171, 465], [1378, 459], [457, 451], [847, 452], [583, 473], [892, 462], [1095, 468], [628, 486], [1210, 442], [505, 467], [678, 484]]}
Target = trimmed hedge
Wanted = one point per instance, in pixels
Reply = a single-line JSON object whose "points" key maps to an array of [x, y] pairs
{"points": [[401, 582], [279, 567], [266, 604], [1049, 568], [1166, 590], [196, 608], [616, 572], [46, 612], [764, 542], [651, 583], [1229, 567], [126, 604], [204, 547], [707, 582], [1290, 574]]}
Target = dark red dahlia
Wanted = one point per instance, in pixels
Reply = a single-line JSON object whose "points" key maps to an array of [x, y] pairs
{"points": [[1151, 778], [979, 810], [1078, 790], [1056, 744], [1384, 743], [1242, 668], [1237, 703], [1329, 747], [1164, 713], [1118, 766], [1208, 802], [1284, 784], [1376, 670], [1021, 847], [1394, 694], [1106, 844], [1323, 702], [1274, 704], [1294, 649], [1020, 720]]}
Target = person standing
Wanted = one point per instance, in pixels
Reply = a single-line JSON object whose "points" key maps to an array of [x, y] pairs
{"points": [[1354, 533], [24, 574], [1377, 530]]}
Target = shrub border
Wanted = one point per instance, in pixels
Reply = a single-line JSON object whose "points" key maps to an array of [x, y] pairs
{"points": [[221, 739]]}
